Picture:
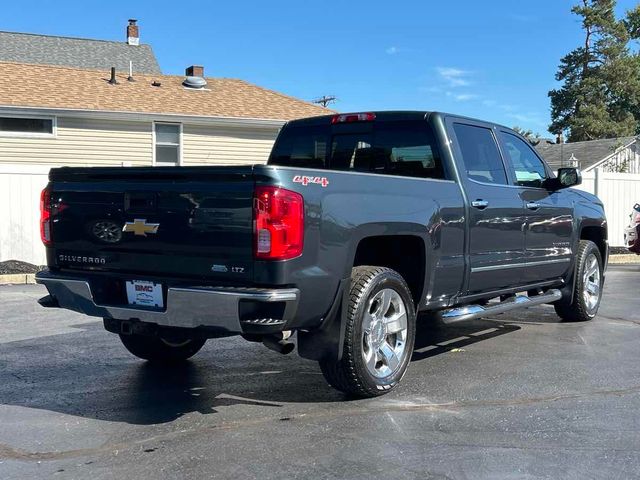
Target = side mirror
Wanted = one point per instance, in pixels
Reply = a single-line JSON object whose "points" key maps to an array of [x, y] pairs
{"points": [[568, 177]]}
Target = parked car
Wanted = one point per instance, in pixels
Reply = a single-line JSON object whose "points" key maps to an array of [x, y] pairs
{"points": [[357, 223], [632, 231]]}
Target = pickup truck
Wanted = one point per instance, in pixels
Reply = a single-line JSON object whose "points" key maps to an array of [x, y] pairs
{"points": [[356, 224]]}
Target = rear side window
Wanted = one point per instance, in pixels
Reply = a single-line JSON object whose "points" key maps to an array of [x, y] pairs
{"points": [[301, 147], [529, 169], [480, 154], [389, 148]]}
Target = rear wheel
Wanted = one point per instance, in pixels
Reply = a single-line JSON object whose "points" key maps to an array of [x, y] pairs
{"points": [[379, 334], [587, 291], [161, 350]]}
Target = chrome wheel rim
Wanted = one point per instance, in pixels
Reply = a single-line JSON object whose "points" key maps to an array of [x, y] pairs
{"points": [[384, 333], [109, 232], [591, 282]]}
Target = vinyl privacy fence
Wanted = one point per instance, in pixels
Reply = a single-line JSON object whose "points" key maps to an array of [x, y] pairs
{"points": [[20, 187]]}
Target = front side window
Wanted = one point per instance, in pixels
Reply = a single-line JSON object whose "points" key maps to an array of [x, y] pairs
{"points": [[529, 169], [26, 126], [480, 154], [167, 145]]}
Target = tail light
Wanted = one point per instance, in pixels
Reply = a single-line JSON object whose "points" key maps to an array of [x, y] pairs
{"points": [[279, 223], [636, 218], [45, 216]]}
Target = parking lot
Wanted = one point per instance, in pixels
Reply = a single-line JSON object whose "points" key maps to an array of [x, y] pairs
{"points": [[518, 396]]}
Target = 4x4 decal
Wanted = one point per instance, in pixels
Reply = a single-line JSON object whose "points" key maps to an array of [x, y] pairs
{"points": [[304, 180]]}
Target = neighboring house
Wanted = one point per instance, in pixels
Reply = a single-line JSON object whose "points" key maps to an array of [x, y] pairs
{"points": [[51, 115], [620, 155], [79, 52]]}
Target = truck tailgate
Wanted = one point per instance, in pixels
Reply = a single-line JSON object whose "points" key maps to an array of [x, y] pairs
{"points": [[191, 222]]}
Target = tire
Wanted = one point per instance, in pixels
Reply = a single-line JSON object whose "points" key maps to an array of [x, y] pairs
{"points": [[156, 349], [379, 334], [587, 290]]}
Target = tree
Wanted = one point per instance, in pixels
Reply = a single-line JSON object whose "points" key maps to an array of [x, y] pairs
{"points": [[532, 138], [600, 94]]}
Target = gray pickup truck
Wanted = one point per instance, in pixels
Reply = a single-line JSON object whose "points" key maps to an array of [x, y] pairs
{"points": [[357, 223]]}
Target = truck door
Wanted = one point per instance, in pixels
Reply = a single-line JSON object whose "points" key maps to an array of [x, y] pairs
{"points": [[549, 219], [495, 210]]}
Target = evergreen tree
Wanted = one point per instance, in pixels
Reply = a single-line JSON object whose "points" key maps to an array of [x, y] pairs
{"points": [[600, 94]]}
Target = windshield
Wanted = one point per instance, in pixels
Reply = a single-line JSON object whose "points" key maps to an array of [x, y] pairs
{"points": [[391, 148]]}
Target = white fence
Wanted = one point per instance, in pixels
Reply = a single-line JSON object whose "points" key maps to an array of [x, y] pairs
{"points": [[619, 192], [20, 188]]}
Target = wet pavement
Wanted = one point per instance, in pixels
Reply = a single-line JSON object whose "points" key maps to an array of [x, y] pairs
{"points": [[519, 396]]}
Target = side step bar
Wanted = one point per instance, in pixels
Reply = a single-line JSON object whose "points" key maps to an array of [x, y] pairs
{"points": [[471, 312]]}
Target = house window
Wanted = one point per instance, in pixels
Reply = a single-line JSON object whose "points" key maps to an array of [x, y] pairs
{"points": [[27, 126], [167, 144]]}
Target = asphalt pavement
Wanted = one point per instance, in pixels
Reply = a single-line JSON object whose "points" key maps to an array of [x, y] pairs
{"points": [[518, 396]]}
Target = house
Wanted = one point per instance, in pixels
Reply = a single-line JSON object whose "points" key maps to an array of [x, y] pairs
{"points": [[611, 154], [54, 116], [77, 102], [80, 52]]}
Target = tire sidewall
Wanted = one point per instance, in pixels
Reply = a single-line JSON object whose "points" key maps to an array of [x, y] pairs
{"points": [[392, 280], [591, 248]]}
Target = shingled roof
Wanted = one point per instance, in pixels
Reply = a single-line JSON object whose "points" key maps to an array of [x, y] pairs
{"points": [[76, 52], [587, 153], [24, 85]]}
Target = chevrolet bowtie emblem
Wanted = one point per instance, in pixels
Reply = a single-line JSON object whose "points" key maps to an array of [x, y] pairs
{"points": [[140, 227]]}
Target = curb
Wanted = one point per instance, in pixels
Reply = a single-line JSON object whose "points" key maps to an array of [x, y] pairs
{"points": [[18, 279], [624, 259]]}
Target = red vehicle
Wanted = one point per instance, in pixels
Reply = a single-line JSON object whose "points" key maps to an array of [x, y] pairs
{"points": [[632, 232]]}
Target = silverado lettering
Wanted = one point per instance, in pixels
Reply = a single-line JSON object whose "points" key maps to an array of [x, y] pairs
{"points": [[456, 217]]}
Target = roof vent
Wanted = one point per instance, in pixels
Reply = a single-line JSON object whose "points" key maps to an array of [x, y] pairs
{"points": [[195, 77]]}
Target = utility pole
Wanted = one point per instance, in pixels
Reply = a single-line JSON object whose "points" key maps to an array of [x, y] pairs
{"points": [[325, 100]]}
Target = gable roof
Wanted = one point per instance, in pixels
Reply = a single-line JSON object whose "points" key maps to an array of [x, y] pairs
{"points": [[53, 87], [76, 52], [588, 153]]}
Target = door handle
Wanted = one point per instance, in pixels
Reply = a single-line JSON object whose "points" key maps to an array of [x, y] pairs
{"points": [[533, 205], [480, 204]]}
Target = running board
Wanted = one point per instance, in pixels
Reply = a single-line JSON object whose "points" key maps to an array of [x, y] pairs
{"points": [[471, 312]]}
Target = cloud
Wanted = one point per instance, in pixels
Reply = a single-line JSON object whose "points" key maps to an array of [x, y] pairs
{"points": [[391, 50], [461, 97], [455, 77], [530, 118]]}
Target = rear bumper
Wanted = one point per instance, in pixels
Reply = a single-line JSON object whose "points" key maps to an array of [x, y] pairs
{"points": [[186, 307]]}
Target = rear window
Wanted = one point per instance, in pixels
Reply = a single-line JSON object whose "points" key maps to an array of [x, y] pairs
{"points": [[388, 148]]}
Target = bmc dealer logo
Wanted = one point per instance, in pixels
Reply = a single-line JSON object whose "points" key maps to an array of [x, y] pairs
{"points": [[144, 288], [304, 180]]}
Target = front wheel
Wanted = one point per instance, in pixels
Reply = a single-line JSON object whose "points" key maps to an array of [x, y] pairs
{"points": [[160, 350], [587, 290], [379, 334]]}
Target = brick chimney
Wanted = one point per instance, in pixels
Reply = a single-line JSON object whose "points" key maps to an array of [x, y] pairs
{"points": [[559, 138], [133, 35], [194, 71]]}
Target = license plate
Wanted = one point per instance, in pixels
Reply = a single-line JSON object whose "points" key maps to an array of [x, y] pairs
{"points": [[144, 293]]}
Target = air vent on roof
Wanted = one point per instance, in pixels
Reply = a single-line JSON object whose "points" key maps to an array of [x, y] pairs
{"points": [[195, 77]]}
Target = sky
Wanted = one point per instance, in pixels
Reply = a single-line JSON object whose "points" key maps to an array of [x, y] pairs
{"points": [[493, 60]]}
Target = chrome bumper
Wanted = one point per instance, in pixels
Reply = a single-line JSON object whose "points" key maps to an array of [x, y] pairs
{"points": [[185, 307]]}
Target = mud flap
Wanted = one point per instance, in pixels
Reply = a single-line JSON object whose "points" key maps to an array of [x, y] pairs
{"points": [[327, 341]]}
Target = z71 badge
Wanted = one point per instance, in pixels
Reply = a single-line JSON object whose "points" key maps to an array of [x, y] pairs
{"points": [[304, 180]]}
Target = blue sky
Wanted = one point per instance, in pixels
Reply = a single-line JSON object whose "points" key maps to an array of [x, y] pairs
{"points": [[493, 60]]}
